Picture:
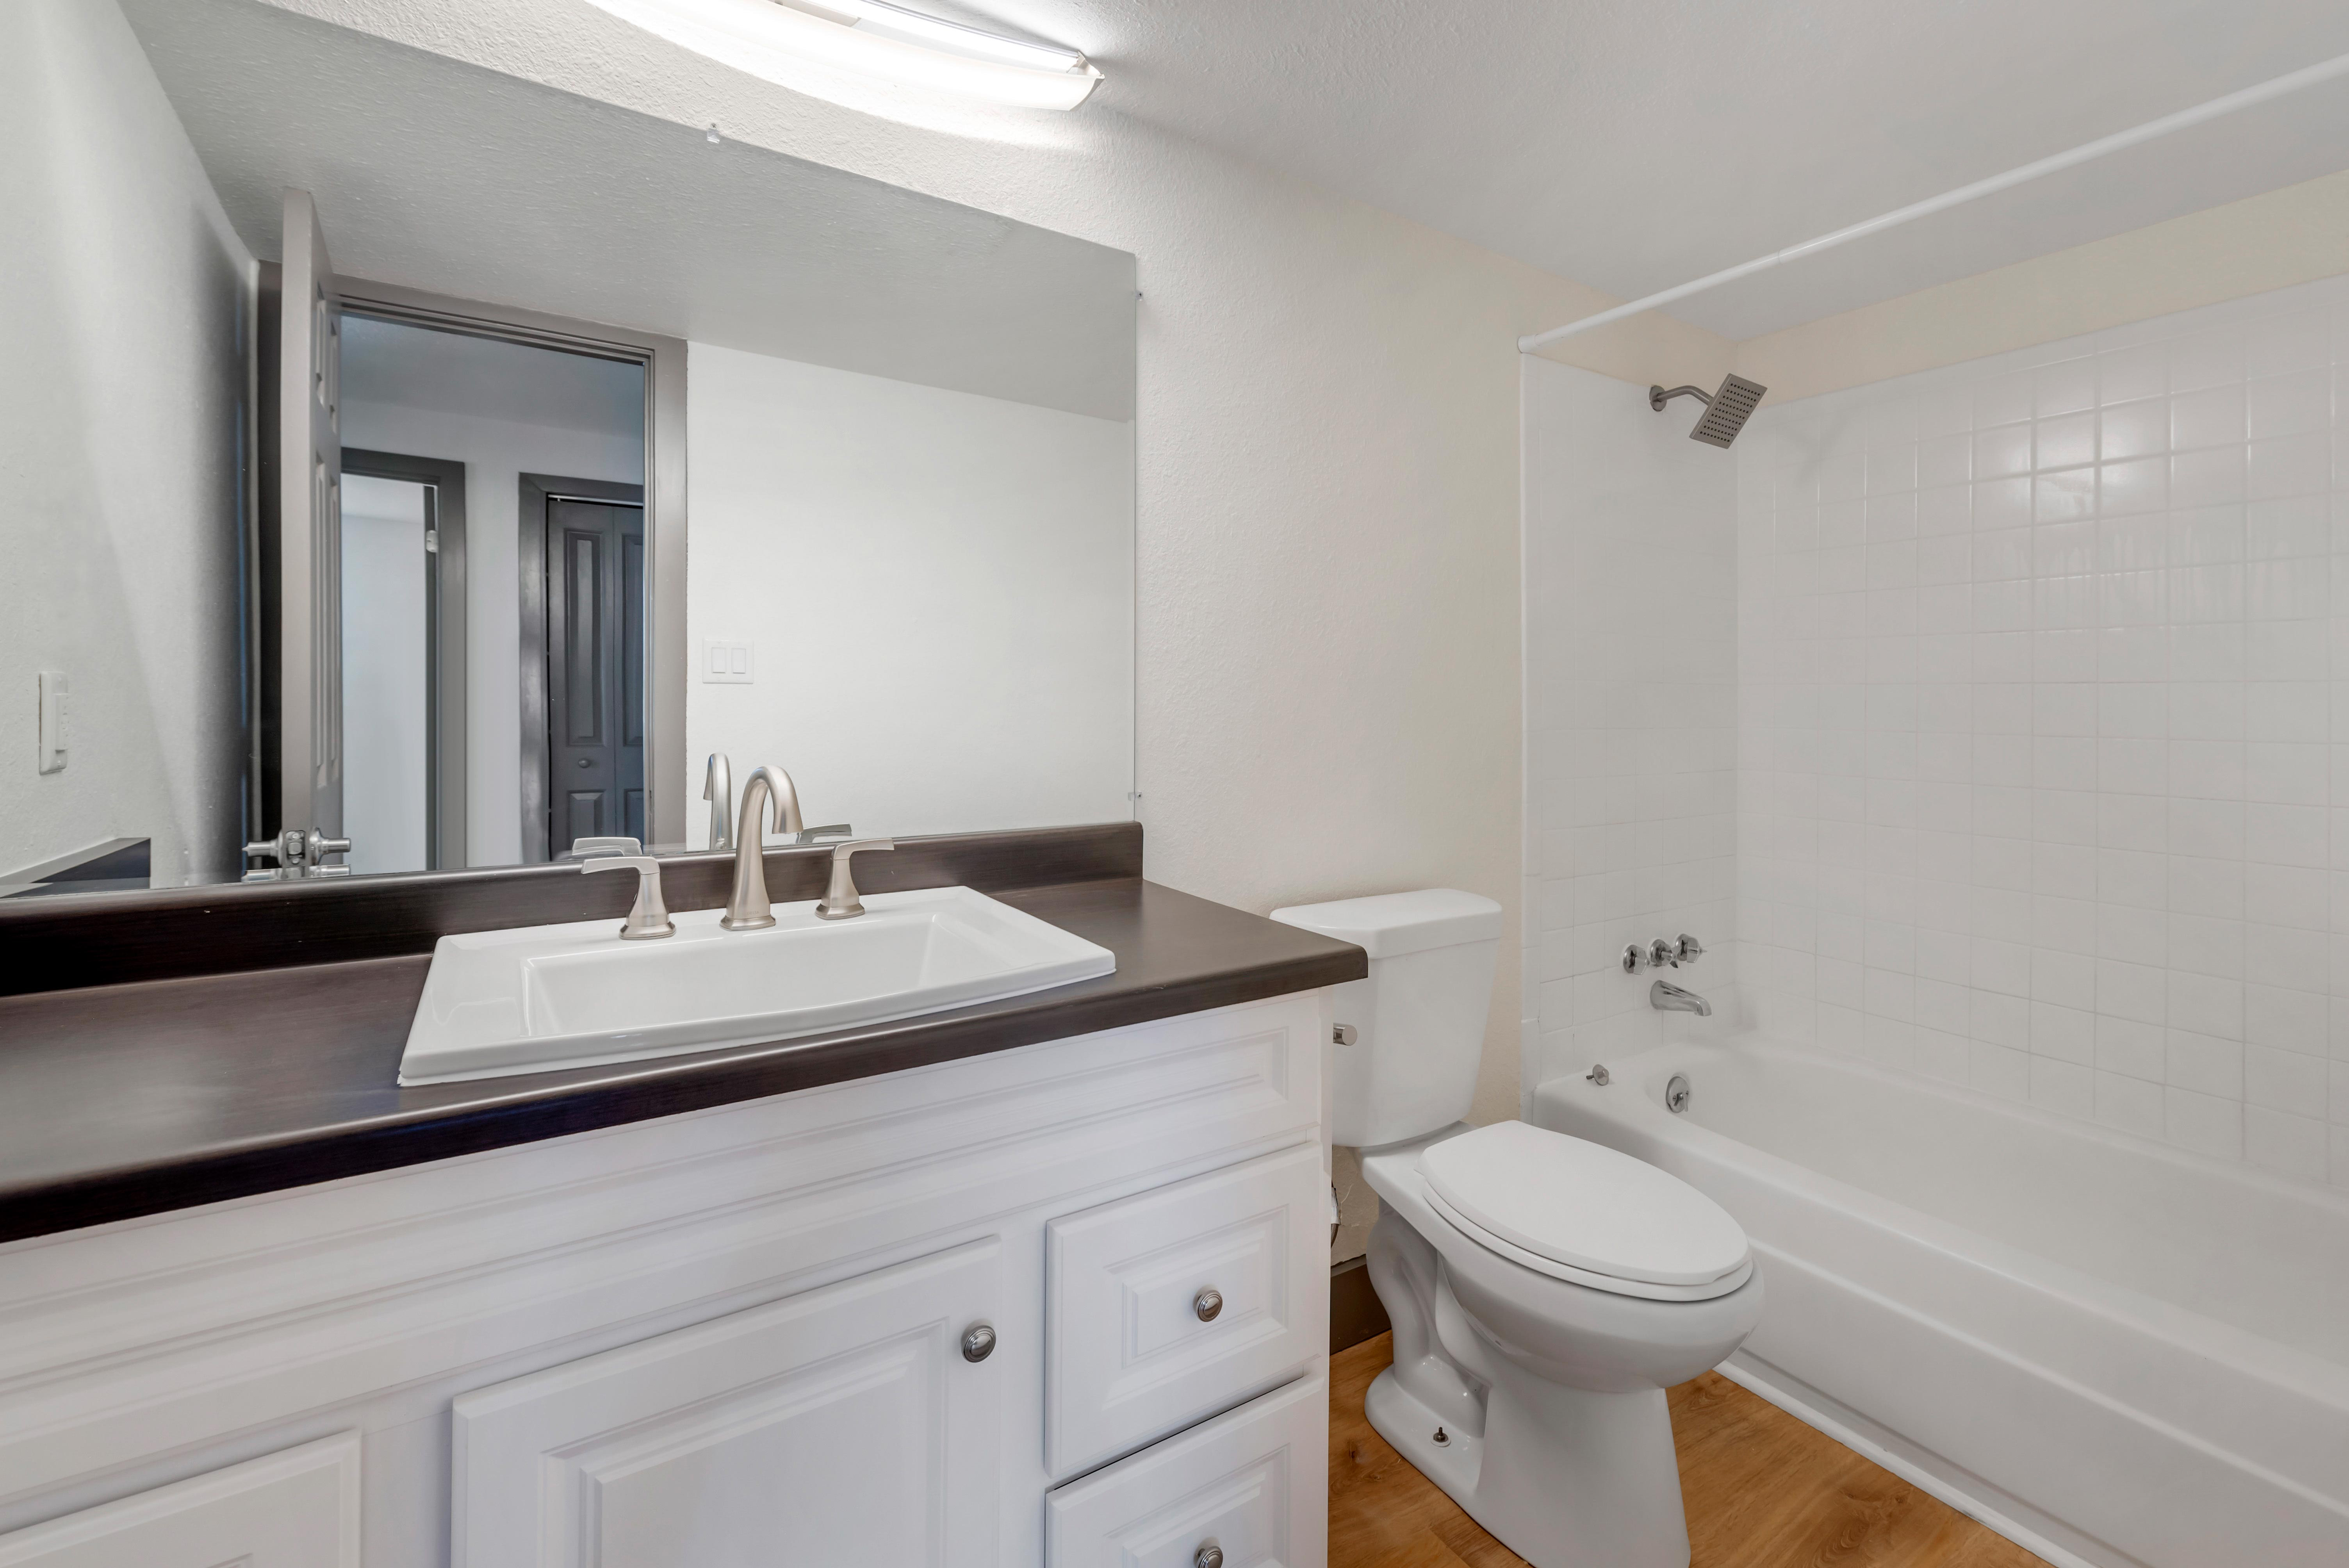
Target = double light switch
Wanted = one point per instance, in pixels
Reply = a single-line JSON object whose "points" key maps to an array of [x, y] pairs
{"points": [[734, 664]]}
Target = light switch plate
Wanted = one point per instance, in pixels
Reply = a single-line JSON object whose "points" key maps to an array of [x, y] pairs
{"points": [[729, 664], [56, 712]]}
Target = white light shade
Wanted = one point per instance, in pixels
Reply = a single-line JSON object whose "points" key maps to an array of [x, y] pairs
{"points": [[776, 42]]}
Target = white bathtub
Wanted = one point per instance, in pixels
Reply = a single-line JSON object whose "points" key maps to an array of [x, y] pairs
{"points": [[2109, 1351]]}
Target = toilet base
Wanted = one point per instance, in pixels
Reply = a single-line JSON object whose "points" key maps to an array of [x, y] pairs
{"points": [[1593, 1486], [1410, 1427]]}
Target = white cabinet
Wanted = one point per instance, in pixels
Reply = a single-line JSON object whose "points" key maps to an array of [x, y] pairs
{"points": [[842, 1426], [298, 1509], [726, 1337], [1179, 1303], [1252, 1484]]}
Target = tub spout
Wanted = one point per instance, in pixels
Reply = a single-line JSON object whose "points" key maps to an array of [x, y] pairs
{"points": [[1667, 997]]}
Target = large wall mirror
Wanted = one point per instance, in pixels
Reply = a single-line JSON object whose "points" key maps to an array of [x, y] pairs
{"points": [[415, 459]]}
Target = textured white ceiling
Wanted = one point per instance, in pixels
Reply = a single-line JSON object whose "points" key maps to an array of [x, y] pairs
{"points": [[1634, 144], [439, 175]]}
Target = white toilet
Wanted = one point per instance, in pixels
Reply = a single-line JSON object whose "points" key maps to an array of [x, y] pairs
{"points": [[1545, 1291]]}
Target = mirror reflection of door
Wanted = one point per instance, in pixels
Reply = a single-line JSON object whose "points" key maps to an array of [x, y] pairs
{"points": [[299, 771], [374, 715], [594, 562], [384, 673], [404, 661], [482, 419]]}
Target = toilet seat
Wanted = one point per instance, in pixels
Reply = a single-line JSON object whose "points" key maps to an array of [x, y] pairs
{"points": [[1610, 1283], [1586, 1213]]}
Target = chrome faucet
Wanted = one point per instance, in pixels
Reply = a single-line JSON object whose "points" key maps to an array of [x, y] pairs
{"points": [[749, 909], [717, 789], [1667, 997]]}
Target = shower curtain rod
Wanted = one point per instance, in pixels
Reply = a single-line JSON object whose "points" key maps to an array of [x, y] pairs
{"points": [[2291, 82]]}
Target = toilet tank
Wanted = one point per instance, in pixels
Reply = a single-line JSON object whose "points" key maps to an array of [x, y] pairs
{"points": [[1419, 1019]]}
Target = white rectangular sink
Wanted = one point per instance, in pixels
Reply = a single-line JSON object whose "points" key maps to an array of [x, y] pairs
{"points": [[550, 996]]}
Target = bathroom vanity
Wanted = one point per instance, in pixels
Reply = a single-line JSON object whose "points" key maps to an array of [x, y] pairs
{"points": [[1038, 1281]]}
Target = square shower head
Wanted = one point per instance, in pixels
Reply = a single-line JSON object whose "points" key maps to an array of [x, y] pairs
{"points": [[1727, 411]]}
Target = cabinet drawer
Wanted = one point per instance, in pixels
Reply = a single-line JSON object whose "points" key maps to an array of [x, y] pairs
{"points": [[1254, 1482], [298, 1509], [1129, 1356]]}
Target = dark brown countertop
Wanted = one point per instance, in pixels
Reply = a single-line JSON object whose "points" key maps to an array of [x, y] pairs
{"points": [[129, 1099]]}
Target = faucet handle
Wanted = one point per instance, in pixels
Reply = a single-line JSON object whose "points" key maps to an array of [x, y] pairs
{"points": [[648, 917], [840, 900], [1662, 952], [585, 849], [1688, 949]]}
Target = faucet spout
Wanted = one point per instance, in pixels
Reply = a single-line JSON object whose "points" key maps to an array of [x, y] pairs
{"points": [[767, 788], [1667, 997]]}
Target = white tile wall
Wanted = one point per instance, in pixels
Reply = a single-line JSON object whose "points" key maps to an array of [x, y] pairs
{"points": [[1630, 702], [2044, 727]]}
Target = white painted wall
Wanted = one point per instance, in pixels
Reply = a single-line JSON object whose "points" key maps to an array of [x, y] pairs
{"points": [[2045, 725], [1631, 676], [496, 454], [386, 787], [120, 427], [940, 587]]}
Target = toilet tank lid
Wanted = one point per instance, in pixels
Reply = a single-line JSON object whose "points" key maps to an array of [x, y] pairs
{"points": [[1388, 925]]}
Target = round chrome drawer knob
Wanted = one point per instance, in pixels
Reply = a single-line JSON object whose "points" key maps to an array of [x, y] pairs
{"points": [[1209, 1556], [979, 1341], [1207, 1304]]}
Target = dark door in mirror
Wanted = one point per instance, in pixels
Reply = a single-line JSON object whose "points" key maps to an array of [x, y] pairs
{"points": [[595, 667]]}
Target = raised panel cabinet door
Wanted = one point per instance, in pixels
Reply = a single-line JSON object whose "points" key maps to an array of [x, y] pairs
{"points": [[298, 1509], [1252, 1484], [841, 1426], [1181, 1302]]}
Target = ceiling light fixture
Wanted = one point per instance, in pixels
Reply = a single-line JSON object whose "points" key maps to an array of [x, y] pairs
{"points": [[869, 39]]}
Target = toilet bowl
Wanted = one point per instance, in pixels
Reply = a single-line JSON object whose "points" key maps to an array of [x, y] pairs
{"points": [[1544, 1291], [1536, 1401]]}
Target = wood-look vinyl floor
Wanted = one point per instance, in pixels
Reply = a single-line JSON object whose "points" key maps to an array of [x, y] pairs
{"points": [[1763, 1489]]}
